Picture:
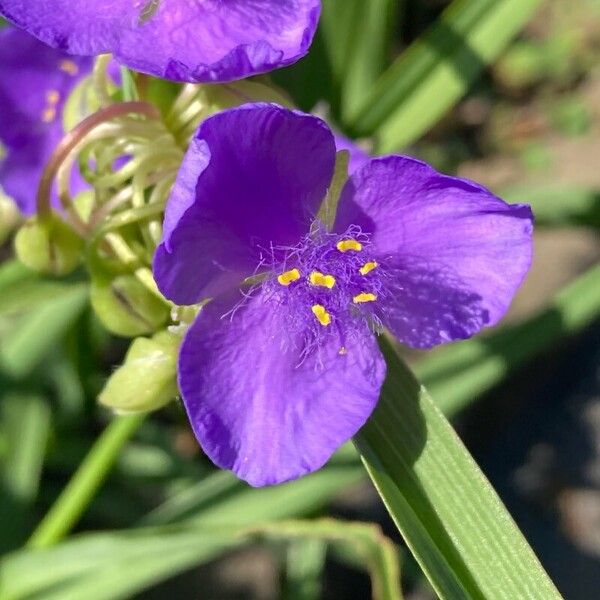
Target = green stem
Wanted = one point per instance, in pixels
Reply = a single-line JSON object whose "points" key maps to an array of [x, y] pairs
{"points": [[80, 491]]}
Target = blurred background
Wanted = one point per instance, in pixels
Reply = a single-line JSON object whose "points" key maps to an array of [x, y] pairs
{"points": [[524, 120]]}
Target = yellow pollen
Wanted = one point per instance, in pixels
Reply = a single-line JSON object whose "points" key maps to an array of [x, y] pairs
{"points": [[48, 114], [368, 267], [321, 313], [69, 67], [364, 297], [321, 280], [343, 351], [289, 277], [346, 245], [52, 97]]}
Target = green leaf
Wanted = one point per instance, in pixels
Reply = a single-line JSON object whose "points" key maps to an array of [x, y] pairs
{"points": [[34, 316], [451, 518], [108, 566], [26, 425], [458, 374], [25, 428], [371, 41], [437, 70], [357, 38], [223, 499], [366, 541], [304, 565]]}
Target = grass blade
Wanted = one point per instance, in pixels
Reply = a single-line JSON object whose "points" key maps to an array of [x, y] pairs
{"points": [[449, 515], [437, 70]]}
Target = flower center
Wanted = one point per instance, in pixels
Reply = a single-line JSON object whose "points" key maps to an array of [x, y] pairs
{"points": [[328, 281]]}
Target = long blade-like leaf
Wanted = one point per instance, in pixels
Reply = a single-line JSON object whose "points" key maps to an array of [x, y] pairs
{"points": [[448, 513], [437, 70], [107, 566]]}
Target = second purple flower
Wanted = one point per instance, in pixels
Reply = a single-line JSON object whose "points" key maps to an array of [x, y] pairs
{"points": [[183, 40]]}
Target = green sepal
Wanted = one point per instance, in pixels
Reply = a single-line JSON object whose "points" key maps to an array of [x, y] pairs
{"points": [[48, 245], [328, 209], [126, 306], [147, 380]]}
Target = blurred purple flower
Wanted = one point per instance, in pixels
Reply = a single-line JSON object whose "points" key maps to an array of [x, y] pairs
{"points": [[184, 40], [275, 378], [35, 81]]}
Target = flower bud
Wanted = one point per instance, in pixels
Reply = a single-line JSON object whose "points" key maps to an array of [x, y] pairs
{"points": [[126, 306], [147, 379], [48, 245]]}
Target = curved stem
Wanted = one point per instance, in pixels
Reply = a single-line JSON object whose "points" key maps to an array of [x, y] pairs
{"points": [[79, 492], [72, 139]]}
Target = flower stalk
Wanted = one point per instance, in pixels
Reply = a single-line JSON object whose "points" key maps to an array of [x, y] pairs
{"points": [[81, 489]]}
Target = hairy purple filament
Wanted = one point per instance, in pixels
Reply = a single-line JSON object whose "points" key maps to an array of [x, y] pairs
{"points": [[328, 282]]}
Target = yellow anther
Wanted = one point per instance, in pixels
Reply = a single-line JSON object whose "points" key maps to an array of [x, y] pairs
{"points": [[321, 280], [343, 351], [346, 245], [289, 277], [321, 313], [364, 297], [48, 114], [368, 267], [69, 67], [52, 97]]}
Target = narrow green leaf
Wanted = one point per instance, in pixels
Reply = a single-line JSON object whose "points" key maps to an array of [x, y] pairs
{"points": [[458, 374], [449, 515], [223, 499], [26, 339], [304, 564], [370, 44], [26, 424], [437, 70], [338, 26], [108, 566], [25, 427], [376, 551]]}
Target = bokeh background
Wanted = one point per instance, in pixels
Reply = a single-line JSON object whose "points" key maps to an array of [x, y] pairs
{"points": [[525, 398]]}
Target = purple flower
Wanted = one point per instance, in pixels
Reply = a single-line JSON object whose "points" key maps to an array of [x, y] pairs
{"points": [[184, 40], [35, 81], [276, 377]]}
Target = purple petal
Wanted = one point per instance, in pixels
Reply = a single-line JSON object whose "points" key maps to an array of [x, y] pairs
{"points": [[184, 40], [456, 253], [260, 411], [35, 81], [254, 176]]}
